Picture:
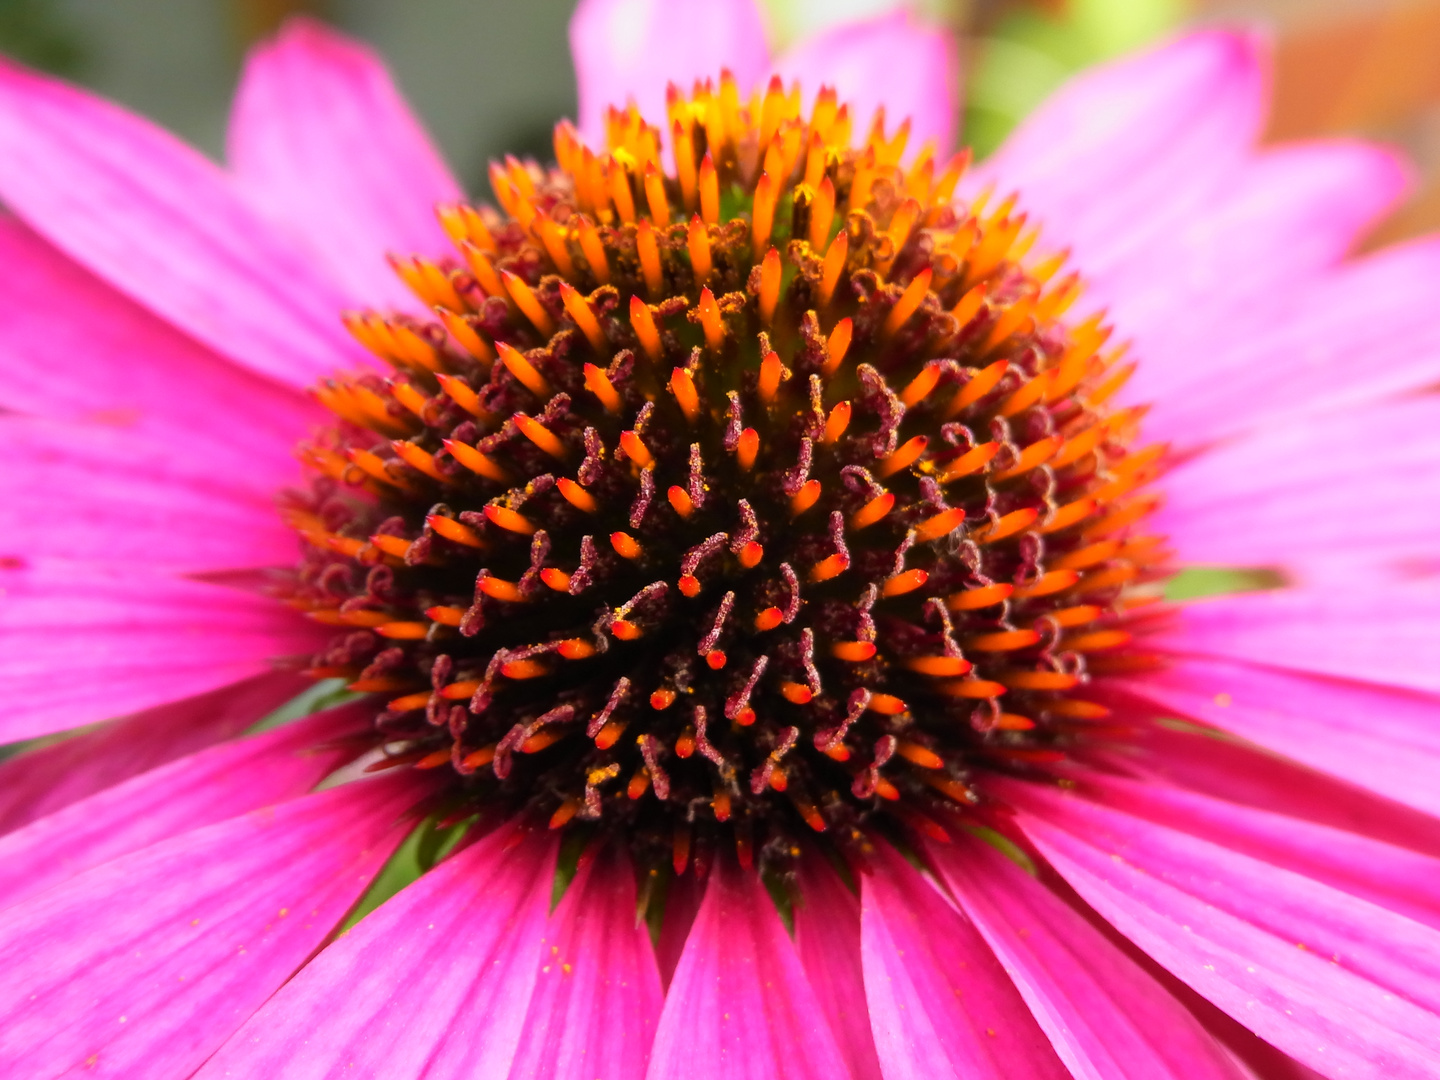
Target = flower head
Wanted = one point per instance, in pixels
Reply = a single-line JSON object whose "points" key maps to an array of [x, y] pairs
{"points": [[754, 520]]}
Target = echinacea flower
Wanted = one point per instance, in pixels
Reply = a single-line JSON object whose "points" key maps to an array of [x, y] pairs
{"points": [[753, 522]]}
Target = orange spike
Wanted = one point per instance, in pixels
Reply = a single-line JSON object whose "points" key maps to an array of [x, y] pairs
{"points": [[476, 462], [460, 393], [392, 545], [969, 306], [684, 147], [636, 450], [1052, 582], [697, 240], [577, 496], [982, 597], [511, 521], [1069, 514], [446, 616], [833, 266], [454, 530], [483, 269], [520, 670], [980, 384], [655, 196], [411, 702], [409, 396], [920, 386], [853, 652], [905, 582], [1038, 680], [682, 385], [1003, 641], [750, 555], [830, 567], [902, 458], [919, 755], [769, 286], [681, 501], [709, 191], [465, 335], [578, 308], [625, 545], [528, 303], [648, 249], [1032, 457], [770, 372], [618, 188], [837, 422], [837, 345], [941, 525], [1008, 525], [768, 619], [942, 667], [594, 250], [500, 589], [711, 322], [418, 458], [599, 384], [822, 213], [747, 448], [907, 304], [872, 511], [972, 689], [806, 497], [552, 236], [642, 321], [540, 435], [972, 461]]}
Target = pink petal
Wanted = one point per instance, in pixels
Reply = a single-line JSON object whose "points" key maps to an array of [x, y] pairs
{"points": [[81, 642], [892, 61], [683, 896], [221, 782], [1355, 998], [42, 781], [1106, 1017], [740, 1007], [145, 965], [598, 996], [1405, 882], [941, 1005], [630, 50], [323, 141], [121, 365], [434, 983], [165, 226], [128, 499], [1266, 245], [827, 939], [1302, 500], [1379, 738], [1129, 143], [1383, 633]]}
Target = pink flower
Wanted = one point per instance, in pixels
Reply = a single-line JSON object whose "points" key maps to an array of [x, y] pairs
{"points": [[864, 619]]}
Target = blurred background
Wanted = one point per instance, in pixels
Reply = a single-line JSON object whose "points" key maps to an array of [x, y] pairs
{"points": [[491, 76]]}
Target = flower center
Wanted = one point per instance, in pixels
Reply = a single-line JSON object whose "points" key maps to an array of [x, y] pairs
{"points": [[765, 496]]}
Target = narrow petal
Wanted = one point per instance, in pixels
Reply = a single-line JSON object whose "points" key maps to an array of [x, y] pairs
{"points": [[827, 939], [1384, 633], [81, 642], [893, 61], [1399, 880], [1379, 738], [682, 903], [50, 778], [740, 1006], [1105, 1016], [598, 996], [93, 493], [323, 141], [1130, 143], [630, 50], [1357, 997], [221, 782], [1331, 500], [72, 348], [166, 227], [145, 965], [941, 1005], [433, 984]]}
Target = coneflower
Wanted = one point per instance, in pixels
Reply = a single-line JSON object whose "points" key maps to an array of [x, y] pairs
{"points": [[742, 550]]}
